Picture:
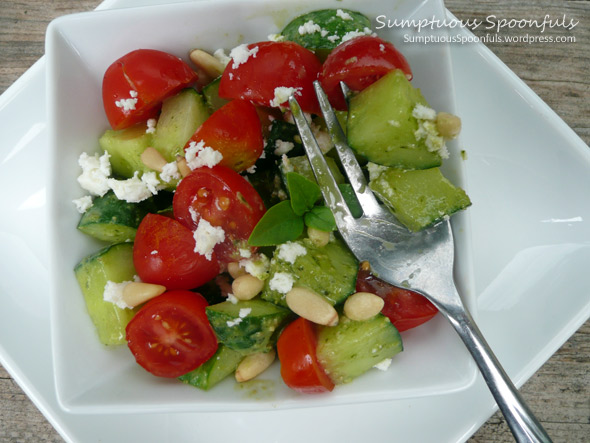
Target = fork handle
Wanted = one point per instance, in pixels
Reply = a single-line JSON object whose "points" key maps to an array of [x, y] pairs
{"points": [[522, 422]]}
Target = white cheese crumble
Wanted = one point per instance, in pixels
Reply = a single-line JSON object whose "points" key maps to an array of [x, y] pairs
{"points": [[244, 312], [257, 266], [333, 38], [198, 155], [83, 204], [282, 147], [428, 131], [232, 298], [281, 282], [170, 172], [95, 173], [240, 54], [154, 252], [282, 94], [222, 57], [251, 169], [276, 37], [113, 293], [290, 251], [309, 27], [151, 126], [375, 170], [352, 34], [132, 190], [127, 104], [423, 112], [343, 15], [245, 253], [383, 365], [151, 181], [206, 237]]}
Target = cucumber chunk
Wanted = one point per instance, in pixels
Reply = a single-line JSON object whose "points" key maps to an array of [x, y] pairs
{"points": [[223, 363], [326, 29], [247, 326], [125, 147], [329, 271], [381, 127], [181, 116], [301, 165], [112, 220], [211, 94], [418, 198], [353, 347], [113, 263]]}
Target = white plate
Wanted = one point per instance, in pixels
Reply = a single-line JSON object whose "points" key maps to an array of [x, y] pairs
{"points": [[80, 48], [508, 304]]}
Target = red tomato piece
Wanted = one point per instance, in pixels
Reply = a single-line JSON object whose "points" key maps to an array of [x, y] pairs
{"points": [[406, 309], [225, 199], [236, 132], [135, 85], [359, 62], [170, 335], [300, 369], [163, 253], [272, 65]]}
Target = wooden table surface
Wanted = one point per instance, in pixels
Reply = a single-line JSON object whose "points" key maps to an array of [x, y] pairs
{"points": [[559, 392]]}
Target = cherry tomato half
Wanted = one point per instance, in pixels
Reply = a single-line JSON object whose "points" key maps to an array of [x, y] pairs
{"points": [[163, 253], [300, 369], [135, 85], [236, 132], [405, 309], [225, 199], [273, 65], [359, 62], [170, 335]]}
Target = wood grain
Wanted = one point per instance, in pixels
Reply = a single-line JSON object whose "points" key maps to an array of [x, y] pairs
{"points": [[560, 391]]}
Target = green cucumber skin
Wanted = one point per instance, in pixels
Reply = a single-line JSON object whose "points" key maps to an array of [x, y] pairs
{"points": [[114, 263], [329, 21], [419, 198], [211, 95], [351, 348], [181, 116], [256, 332], [223, 363], [112, 220], [371, 133], [329, 271], [125, 147]]}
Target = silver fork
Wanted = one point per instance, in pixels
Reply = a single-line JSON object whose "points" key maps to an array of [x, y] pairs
{"points": [[422, 261]]}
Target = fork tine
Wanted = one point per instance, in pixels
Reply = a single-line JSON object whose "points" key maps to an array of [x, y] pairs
{"points": [[349, 162], [332, 195]]}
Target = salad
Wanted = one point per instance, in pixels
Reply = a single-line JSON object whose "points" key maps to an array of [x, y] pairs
{"points": [[219, 255]]}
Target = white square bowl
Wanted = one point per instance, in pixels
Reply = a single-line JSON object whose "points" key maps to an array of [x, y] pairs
{"points": [[91, 378]]}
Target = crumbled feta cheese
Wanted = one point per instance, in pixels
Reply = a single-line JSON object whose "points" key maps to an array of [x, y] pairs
{"points": [[154, 252], [194, 214], [170, 172], [251, 169], [257, 266], [334, 38], [281, 282], [282, 94], [151, 126], [290, 251], [198, 155], [343, 15], [375, 170], [309, 27], [83, 203], [220, 55], [127, 104], [132, 190], [322, 137], [95, 173], [352, 34], [240, 54], [206, 237], [276, 37], [287, 166], [245, 253], [382, 47], [282, 147], [151, 181], [244, 312], [234, 322], [113, 293], [383, 365], [232, 298], [423, 112]]}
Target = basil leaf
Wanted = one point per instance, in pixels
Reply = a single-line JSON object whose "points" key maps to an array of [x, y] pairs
{"points": [[321, 218], [303, 192], [278, 225]]}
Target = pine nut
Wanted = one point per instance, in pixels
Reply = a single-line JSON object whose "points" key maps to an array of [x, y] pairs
{"points": [[136, 293], [319, 238], [448, 125], [235, 270], [152, 158], [311, 306], [253, 365], [183, 167], [206, 62], [246, 287], [363, 306]]}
